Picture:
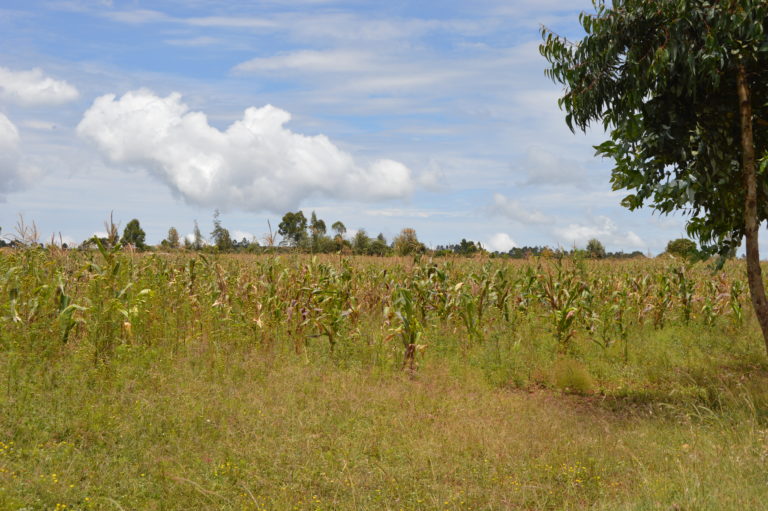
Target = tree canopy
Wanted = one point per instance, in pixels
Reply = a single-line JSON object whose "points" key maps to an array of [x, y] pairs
{"points": [[220, 234], [595, 249], [661, 76], [682, 247], [134, 235], [681, 86], [293, 227]]}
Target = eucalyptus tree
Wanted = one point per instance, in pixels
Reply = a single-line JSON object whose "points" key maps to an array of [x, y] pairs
{"points": [[317, 229], [293, 228], [681, 87]]}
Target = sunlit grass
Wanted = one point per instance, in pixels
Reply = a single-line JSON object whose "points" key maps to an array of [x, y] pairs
{"points": [[222, 394]]}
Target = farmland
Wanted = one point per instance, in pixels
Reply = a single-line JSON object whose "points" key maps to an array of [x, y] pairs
{"points": [[177, 381]]}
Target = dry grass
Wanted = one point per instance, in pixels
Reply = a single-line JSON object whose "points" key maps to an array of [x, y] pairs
{"points": [[210, 430]]}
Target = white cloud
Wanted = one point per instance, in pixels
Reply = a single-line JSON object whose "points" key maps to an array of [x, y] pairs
{"points": [[255, 164], [602, 228], [33, 87], [310, 60], [9, 154], [15, 173], [501, 242], [515, 210]]}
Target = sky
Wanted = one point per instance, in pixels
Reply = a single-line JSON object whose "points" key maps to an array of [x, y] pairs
{"points": [[383, 115]]}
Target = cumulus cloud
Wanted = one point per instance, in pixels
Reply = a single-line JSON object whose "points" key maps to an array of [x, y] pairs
{"points": [[255, 164], [34, 88], [514, 210], [501, 242], [9, 154], [15, 174], [602, 228]]}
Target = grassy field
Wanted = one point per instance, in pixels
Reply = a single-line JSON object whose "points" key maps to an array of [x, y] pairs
{"points": [[187, 382]]}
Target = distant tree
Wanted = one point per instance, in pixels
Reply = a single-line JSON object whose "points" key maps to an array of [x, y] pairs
{"points": [[317, 231], [220, 235], [378, 246], [340, 229], [293, 228], [595, 249], [467, 248], [682, 247], [316, 226], [198, 241], [361, 242], [134, 235], [173, 238], [407, 242]]}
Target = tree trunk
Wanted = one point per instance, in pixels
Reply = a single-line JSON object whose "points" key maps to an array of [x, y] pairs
{"points": [[751, 223]]}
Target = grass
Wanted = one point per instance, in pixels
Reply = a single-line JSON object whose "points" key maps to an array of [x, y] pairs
{"points": [[191, 411]]}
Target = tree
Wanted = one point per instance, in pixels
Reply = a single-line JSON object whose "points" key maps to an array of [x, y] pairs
{"points": [[467, 248], [361, 242], [682, 86], [293, 228], [134, 235], [407, 243], [682, 247], [595, 249], [198, 242], [340, 229], [173, 238], [220, 236], [379, 246], [317, 228]]}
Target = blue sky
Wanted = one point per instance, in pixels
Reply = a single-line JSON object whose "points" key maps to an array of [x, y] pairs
{"points": [[384, 115]]}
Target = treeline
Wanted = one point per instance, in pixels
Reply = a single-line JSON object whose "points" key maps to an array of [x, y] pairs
{"points": [[296, 233]]}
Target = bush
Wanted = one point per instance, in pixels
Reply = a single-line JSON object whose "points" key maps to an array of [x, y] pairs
{"points": [[571, 376]]}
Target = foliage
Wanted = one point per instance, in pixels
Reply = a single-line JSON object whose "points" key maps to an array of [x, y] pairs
{"points": [[378, 246], [293, 228], [407, 243], [173, 238], [198, 241], [361, 242], [220, 235], [339, 228], [134, 235], [662, 76], [464, 247], [682, 247], [595, 249], [317, 230]]}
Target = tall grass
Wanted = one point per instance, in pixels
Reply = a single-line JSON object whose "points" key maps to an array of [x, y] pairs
{"points": [[241, 382]]}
